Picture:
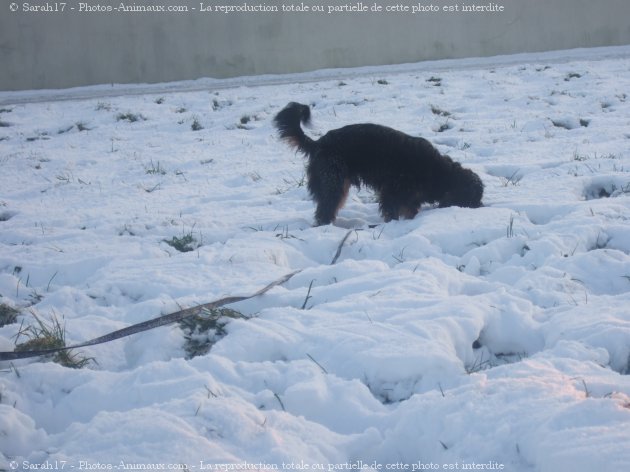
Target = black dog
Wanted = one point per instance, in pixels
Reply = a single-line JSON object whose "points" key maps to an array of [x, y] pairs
{"points": [[403, 170]]}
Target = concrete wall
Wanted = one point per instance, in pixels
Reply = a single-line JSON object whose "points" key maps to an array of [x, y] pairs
{"points": [[72, 48]]}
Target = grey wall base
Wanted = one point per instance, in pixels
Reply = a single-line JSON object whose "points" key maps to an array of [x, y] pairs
{"points": [[41, 50]]}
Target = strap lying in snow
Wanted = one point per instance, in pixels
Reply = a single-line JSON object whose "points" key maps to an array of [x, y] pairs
{"points": [[147, 325]]}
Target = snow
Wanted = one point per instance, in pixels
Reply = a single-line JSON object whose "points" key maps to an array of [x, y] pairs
{"points": [[495, 338]]}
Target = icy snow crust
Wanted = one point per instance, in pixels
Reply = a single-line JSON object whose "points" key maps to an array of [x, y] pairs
{"points": [[498, 336]]}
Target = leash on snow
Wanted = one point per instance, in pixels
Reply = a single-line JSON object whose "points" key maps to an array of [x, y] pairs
{"points": [[147, 325]]}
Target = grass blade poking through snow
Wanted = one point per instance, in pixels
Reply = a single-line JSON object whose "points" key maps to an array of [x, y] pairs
{"points": [[50, 336]]}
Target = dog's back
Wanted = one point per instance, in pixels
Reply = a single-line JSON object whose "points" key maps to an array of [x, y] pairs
{"points": [[354, 141], [357, 141]]}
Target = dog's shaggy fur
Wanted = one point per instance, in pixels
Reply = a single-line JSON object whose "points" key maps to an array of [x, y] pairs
{"points": [[403, 170]]}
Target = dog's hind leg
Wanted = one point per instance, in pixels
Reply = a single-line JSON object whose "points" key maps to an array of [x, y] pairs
{"points": [[389, 204], [408, 212], [329, 189], [344, 196]]}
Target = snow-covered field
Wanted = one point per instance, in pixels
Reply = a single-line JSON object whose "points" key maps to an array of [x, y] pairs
{"points": [[497, 336]]}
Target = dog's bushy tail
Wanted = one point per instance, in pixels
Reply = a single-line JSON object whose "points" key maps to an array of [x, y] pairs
{"points": [[288, 122]]}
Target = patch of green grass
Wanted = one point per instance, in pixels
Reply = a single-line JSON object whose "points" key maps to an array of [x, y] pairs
{"points": [[202, 331], [82, 126], [580, 157], [572, 75], [196, 126], [585, 157], [50, 335], [439, 112], [7, 215], [186, 243], [65, 130], [444, 126], [8, 314], [245, 120], [219, 104], [103, 106], [130, 117], [41, 135]]}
